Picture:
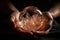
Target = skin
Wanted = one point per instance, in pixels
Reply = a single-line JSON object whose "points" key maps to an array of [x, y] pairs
{"points": [[32, 22], [38, 22]]}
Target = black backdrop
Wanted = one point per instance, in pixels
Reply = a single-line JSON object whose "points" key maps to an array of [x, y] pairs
{"points": [[7, 30]]}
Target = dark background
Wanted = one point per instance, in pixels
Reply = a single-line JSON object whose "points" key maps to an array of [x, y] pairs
{"points": [[7, 30]]}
